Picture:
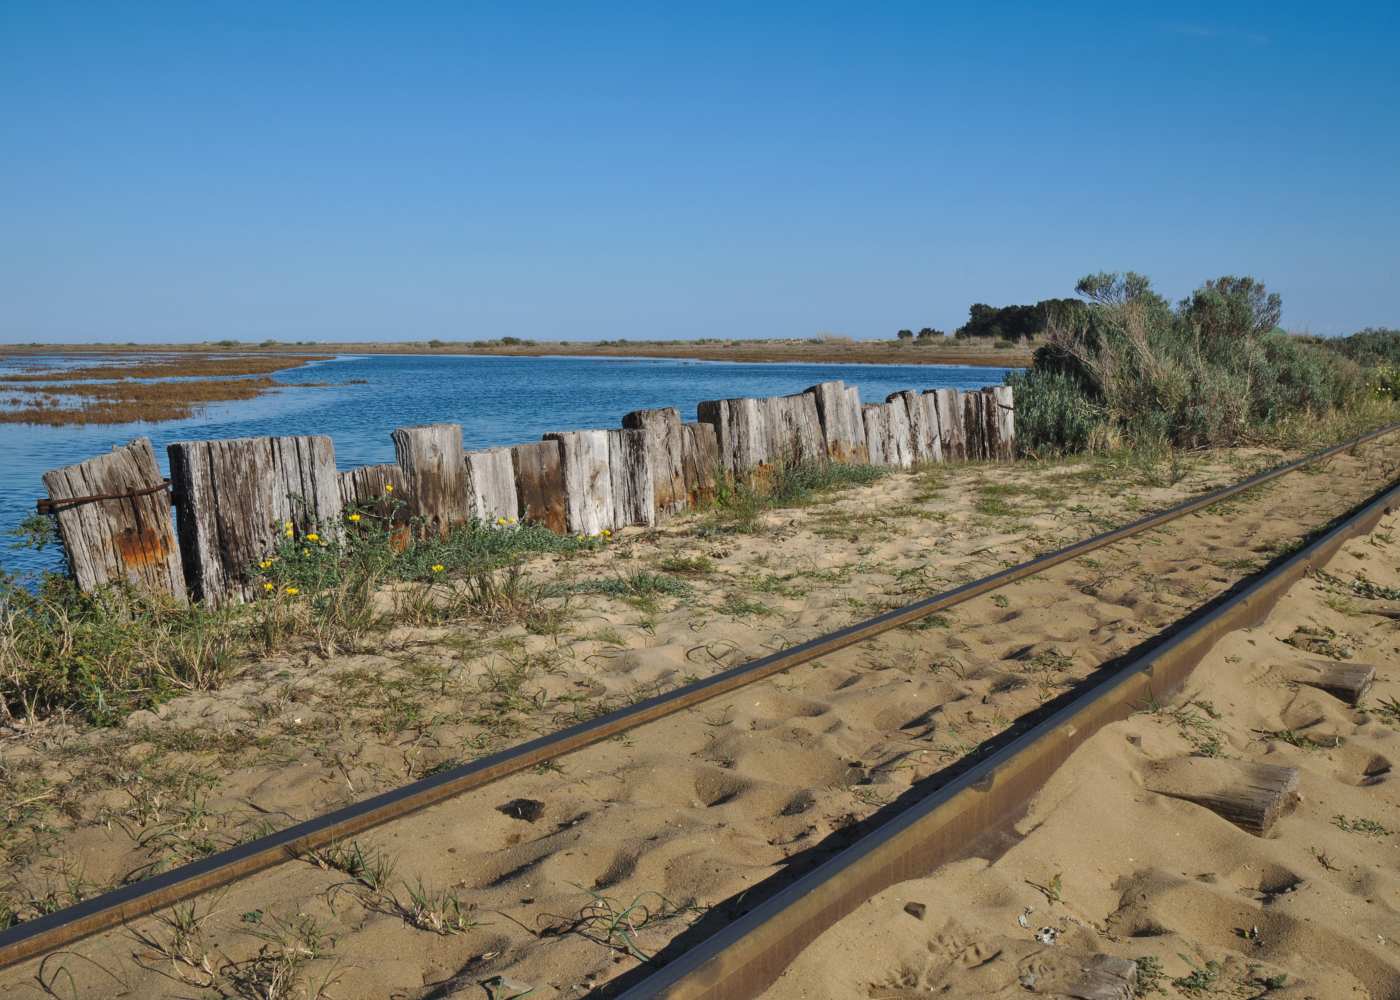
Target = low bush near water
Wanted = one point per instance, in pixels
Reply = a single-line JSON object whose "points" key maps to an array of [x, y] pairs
{"points": [[1125, 368]]}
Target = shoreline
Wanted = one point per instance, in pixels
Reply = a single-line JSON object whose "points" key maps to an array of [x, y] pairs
{"points": [[748, 351]]}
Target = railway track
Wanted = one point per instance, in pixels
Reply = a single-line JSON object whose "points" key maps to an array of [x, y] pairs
{"points": [[751, 952]]}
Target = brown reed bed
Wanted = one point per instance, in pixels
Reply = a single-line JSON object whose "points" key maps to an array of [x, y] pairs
{"points": [[198, 366], [127, 402]]}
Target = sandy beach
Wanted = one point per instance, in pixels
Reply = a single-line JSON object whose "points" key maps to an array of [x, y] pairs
{"points": [[567, 880]]}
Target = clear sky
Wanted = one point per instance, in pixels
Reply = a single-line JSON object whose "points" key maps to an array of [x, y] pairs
{"points": [[345, 170]]}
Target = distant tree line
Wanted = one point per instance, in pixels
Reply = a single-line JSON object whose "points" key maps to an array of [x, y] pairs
{"points": [[1010, 323]]}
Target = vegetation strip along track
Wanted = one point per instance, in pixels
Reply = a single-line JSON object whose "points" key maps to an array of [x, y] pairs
{"points": [[62, 927], [750, 954]]}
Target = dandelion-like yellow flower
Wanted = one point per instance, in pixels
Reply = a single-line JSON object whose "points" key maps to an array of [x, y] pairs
{"points": [[437, 567], [500, 520], [607, 533], [268, 586], [265, 564], [306, 552], [287, 525], [388, 487], [293, 591], [511, 520], [354, 518], [313, 537], [289, 532]]}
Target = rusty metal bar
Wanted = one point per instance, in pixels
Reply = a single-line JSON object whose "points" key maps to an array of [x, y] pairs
{"points": [[48, 505], [749, 955], [63, 927]]}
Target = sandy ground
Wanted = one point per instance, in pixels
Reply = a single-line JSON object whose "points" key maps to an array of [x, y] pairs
{"points": [[948, 352], [1309, 911], [565, 878]]}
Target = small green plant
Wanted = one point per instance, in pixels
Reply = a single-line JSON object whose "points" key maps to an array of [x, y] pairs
{"points": [[1200, 979], [1369, 827], [1150, 974], [439, 911]]}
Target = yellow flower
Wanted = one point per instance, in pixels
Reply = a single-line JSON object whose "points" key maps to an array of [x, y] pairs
{"points": [[293, 591], [313, 537], [437, 567], [354, 518], [287, 525], [388, 487], [607, 533], [267, 586], [512, 520], [500, 520], [265, 564], [306, 552], [289, 532]]}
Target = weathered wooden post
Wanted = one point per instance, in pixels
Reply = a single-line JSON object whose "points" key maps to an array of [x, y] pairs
{"points": [[382, 494], [127, 536], [794, 430], [665, 453], [633, 487], [539, 484], [741, 431], [843, 427], [1006, 414], [235, 499], [974, 428], [700, 462], [991, 424], [951, 426], [588, 496], [876, 421], [923, 426], [491, 485], [434, 474]]}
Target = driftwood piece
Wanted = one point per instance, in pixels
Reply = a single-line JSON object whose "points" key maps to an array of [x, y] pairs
{"points": [[842, 426], [700, 462], [923, 426], [633, 486], [1105, 977], [235, 499], [435, 476], [665, 455], [1350, 682], [539, 484], [1392, 613], [951, 433], [741, 431], [974, 428], [1252, 796], [491, 485], [130, 539], [588, 496]]}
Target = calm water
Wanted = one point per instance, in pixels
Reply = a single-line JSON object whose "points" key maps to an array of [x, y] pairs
{"points": [[498, 401]]}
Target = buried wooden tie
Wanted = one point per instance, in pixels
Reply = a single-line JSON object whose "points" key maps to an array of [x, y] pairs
{"points": [[1252, 796], [1348, 681]]}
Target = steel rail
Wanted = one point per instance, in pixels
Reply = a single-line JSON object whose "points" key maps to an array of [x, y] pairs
{"points": [[72, 923], [747, 956]]}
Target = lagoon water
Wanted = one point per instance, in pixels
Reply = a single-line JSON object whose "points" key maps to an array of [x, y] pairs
{"points": [[497, 400]]}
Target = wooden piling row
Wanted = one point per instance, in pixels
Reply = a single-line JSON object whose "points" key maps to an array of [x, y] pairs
{"points": [[237, 500]]}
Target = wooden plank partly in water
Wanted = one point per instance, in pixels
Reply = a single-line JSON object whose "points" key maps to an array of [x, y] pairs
{"points": [[665, 454], [491, 485], [235, 500], [131, 539], [633, 488], [434, 474], [588, 496], [539, 484]]}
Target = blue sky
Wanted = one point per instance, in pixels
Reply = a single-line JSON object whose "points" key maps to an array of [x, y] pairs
{"points": [[404, 171]]}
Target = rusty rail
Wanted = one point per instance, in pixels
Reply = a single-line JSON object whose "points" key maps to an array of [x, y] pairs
{"points": [[63, 927], [47, 505]]}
